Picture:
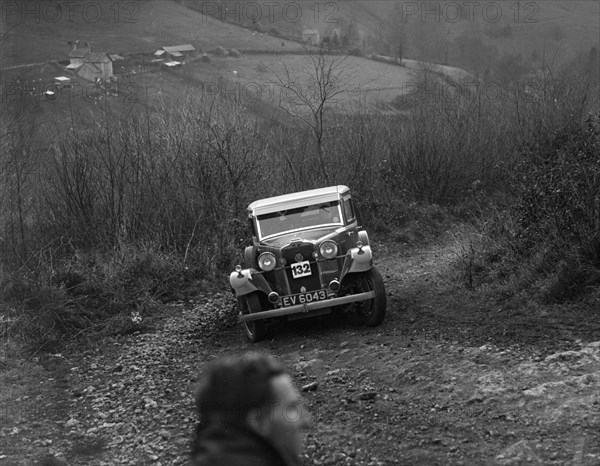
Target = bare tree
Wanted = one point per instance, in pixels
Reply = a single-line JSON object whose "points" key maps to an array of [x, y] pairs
{"points": [[312, 94]]}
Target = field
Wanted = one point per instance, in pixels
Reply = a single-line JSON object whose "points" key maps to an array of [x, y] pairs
{"points": [[33, 46], [253, 79], [122, 28], [257, 77], [557, 28], [35, 33]]}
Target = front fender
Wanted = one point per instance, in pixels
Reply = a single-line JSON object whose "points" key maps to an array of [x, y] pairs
{"points": [[358, 260], [248, 281]]}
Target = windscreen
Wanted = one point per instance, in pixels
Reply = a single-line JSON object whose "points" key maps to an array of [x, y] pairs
{"points": [[311, 216]]}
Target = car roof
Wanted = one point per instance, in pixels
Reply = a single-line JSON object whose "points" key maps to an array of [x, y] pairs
{"points": [[297, 199]]}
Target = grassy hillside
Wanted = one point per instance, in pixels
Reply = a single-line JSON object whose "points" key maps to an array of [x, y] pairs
{"points": [[291, 18], [532, 32], [255, 85], [367, 81], [556, 29], [143, 28], [33, 32]]}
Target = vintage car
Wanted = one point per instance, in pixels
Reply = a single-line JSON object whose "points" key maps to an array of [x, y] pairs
{"points": [[309, 256]]}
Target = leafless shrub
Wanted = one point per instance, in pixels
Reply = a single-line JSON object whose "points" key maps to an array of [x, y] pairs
{"points": [[126, 210]]}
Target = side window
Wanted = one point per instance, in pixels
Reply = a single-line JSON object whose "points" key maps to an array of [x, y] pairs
{"points": [[349, 210]]}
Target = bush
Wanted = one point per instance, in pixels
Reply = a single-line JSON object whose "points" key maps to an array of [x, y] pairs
{"points": [[558, 207], [261, 67], [558, 190], [117, 221], [550, 229], [140, 207], [220, 51], [356, 52], [117, 292]]}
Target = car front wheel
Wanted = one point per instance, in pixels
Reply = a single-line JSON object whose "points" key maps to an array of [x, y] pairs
{"points": [[255, 330], [372, 311]]}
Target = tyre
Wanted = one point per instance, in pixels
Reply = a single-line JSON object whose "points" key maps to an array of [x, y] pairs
{"points": [[255, 330], [372, 311]]}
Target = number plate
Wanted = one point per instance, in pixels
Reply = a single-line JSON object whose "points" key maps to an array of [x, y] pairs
{"points": [[313, 296], [301, 269]]}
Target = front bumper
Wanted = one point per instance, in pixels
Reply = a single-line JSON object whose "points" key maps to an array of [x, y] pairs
{"points": [[307, 307]]}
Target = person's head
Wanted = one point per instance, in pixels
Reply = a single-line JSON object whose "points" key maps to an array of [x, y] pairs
{"points": [[254, 390]]}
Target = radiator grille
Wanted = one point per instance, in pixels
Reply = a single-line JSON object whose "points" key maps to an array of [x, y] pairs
{"points": [[312, 282]]}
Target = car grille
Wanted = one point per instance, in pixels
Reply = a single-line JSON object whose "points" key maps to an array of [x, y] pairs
{"points": [[289, 252], [312, 282]]}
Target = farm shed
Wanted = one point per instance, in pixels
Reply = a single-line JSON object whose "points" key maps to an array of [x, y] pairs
{"points": [[77, 55], [89, 65], [177, 52], [96, 65], [311, 36]]}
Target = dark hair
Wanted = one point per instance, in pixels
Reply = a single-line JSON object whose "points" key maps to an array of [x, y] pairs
{"points": [[235, 385]]}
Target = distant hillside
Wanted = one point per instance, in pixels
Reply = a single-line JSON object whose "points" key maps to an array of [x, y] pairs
{"points": [[131, 27], [476, 39], [150, 25], [549, 32], [554, 31], [290, 18], [479, 37]]}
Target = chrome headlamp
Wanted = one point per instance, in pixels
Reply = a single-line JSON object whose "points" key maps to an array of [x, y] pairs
{"points": [[267, 261], [328, 249]]}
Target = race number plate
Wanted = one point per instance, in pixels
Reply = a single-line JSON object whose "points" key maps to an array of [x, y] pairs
{"points": [[300, 269], [311, 297]]}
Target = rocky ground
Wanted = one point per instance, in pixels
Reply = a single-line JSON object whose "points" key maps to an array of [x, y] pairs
{"points": [[452, 376]]}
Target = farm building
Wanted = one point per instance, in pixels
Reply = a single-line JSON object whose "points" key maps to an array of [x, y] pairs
{"points": [[89, 65], [96, 65], [63, 81], [77, 54], [176, 52], [311, 36]]}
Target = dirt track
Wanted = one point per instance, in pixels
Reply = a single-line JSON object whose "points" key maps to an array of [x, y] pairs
{"points": [[450, 377]]}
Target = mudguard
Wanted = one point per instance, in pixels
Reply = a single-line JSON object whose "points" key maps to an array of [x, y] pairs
{"points": [[361, 259], [248, 281], [357, 260]]}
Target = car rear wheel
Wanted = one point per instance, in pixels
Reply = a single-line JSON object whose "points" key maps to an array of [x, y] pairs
{"points": [[255, 330], [372, 311]]}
